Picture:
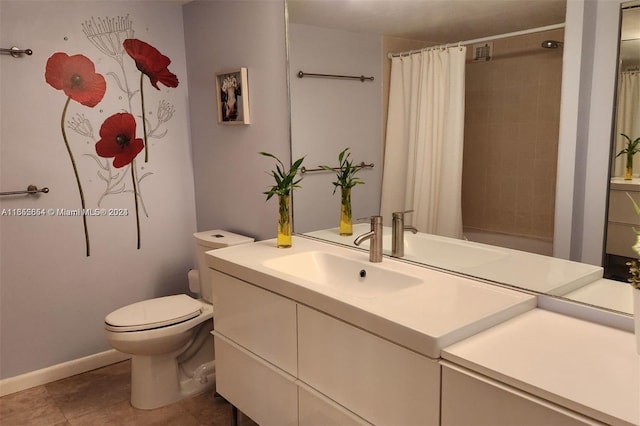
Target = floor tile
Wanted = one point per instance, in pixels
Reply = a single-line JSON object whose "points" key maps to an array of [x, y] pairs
{"points": [[211, 410], [123, 413], [101, 398], [84, 393], [31, 407]]}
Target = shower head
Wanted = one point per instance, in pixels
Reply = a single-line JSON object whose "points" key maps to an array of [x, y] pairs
{"points": [[552, 44]]}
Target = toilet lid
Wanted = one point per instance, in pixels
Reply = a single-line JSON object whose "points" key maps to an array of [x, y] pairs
{"points": [[154, 313]]}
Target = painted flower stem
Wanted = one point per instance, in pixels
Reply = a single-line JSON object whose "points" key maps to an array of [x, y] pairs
{"points": [[144, 121], [75, 171], [135, 199]]}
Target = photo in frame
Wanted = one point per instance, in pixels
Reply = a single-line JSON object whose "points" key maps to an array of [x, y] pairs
{"points": [[232, 96]]}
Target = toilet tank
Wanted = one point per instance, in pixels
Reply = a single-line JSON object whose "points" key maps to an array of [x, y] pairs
{"points": [[211, 240]]}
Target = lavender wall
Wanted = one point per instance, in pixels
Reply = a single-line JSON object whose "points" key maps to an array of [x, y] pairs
{"points": [[53, 297], [228, 172]]}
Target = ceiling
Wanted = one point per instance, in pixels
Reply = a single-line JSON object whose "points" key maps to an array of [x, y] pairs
{"points": [[437, 21]]}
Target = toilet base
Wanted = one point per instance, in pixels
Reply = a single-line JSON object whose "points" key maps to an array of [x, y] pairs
{"points": [[156, 381]]}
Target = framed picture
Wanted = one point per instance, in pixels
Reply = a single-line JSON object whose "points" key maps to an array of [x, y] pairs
{"points": [[233, 96]]}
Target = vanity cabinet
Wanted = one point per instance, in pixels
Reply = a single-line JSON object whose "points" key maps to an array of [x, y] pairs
{"points": [[255, 342], [297, 345], [316, 409], [260, 390], [622, 218], [471, 399], [378, 380], [283, 363], [258, 320]]}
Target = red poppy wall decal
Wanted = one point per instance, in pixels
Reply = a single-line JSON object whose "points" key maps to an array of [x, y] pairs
{"points": [[116, 148], [118, 140], [76, 76], [154, 65]]}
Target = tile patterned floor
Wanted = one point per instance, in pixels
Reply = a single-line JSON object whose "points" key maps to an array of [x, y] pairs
{"points": [[100, 398]]}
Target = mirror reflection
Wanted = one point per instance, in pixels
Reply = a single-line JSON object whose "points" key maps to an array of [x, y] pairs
{"points": [[625, 175], [488, 173]]}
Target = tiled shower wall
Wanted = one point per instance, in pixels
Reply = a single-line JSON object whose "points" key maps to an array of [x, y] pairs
{"points": [[511, 137]]}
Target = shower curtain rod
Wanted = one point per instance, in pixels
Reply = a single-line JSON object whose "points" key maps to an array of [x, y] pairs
{"points": [[481, 40]]}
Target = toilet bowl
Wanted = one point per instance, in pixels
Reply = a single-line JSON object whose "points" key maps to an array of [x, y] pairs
{"points": [[169, 338]]}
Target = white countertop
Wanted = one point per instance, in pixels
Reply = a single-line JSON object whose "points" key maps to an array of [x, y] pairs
{"points": [[580, 365], [441, 310], [621, 184], [607, 293]]}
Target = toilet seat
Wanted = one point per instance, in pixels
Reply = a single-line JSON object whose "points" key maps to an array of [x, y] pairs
{"points": [[153, 313]]}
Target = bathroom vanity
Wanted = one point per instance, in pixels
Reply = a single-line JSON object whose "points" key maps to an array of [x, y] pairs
{"points": [[317, 335], [622, 218]]}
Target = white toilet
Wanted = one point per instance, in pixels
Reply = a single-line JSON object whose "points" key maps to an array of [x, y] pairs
{"points": [[169, 337]]}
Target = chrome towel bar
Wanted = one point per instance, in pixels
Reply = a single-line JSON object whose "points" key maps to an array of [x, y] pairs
{"points": [[362, 78], [16, 52], [31, 189]]}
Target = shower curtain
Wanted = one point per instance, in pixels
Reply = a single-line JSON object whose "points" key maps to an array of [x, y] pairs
{"points": [[627, 117], [424, 141]]}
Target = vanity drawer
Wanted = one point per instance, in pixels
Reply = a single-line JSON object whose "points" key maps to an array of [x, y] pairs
{"points": [[379, 381], [315, 409], [261, 391], [620, 239], [258, 320], [471, 399], [621, 208]]}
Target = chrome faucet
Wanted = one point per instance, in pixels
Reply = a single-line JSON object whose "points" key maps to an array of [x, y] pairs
{"points": [[375, 235], [397, 233]]}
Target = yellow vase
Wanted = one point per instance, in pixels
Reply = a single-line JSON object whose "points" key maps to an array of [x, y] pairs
{"points": [[284, 222], [346, 225], [628, 169]]}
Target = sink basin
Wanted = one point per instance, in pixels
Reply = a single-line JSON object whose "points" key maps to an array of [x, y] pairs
{"points": [[346, 276]]}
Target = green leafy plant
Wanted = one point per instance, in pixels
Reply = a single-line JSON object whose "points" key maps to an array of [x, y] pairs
{"points": [[633, 265], [633, 146], [635, 274], [285, 180], [345, 173]]}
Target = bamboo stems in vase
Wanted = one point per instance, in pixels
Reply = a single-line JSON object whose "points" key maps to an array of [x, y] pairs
{"points": [[284, 222], [346, 223], [285, 183], [633, 146], [628, 167], [345, 179]]}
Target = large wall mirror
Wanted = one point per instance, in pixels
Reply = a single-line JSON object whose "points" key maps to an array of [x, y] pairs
{"points": [[625, 181], [511, 120]]}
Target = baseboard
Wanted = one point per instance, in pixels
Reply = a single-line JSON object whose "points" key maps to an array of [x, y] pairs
{"points": [[60, 371]]}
